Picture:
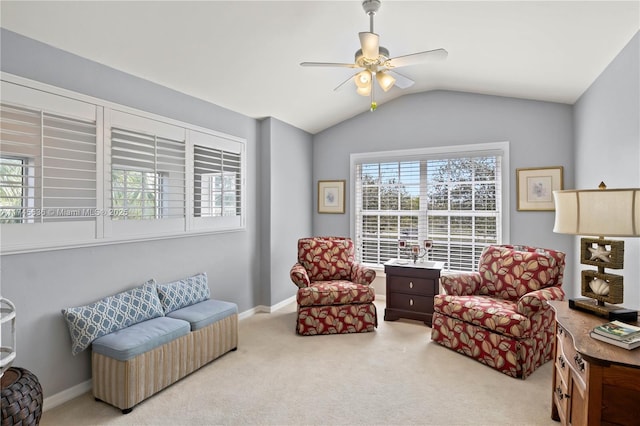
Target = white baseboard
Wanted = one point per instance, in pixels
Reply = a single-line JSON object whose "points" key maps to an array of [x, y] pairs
{"points": [[79, 389], [266, 309], [282, 304], [66, 395]]}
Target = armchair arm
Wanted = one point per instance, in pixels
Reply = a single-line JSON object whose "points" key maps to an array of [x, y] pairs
{"points": [[299, 276], [361, 274], [461, 284], [535, 301]]}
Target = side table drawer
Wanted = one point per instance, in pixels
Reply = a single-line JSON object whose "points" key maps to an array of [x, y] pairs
{"points": [[411, 285], [573, 358], [562, 364], [408, 302], [561, 397]]}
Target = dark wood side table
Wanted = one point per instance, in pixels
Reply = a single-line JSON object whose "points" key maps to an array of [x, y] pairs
{"points": [[594, 383], [410, 289]]}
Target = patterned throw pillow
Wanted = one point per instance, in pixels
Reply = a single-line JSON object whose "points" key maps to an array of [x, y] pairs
{"points": [[185, 292], [113, 313]]}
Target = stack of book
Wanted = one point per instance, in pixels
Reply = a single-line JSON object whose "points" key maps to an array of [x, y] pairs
{"points": [[618, 333]]}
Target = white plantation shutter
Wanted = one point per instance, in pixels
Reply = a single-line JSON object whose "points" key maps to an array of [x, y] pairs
{"points": [[69, 167], [148, 175], [454, 199], [217, 182], [47, 166], [78, 171]]}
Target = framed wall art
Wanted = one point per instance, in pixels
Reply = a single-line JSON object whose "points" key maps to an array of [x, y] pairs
{"points": [[331, 196], [535, 188]]}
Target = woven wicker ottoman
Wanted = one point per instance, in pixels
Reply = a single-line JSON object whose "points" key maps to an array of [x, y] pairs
{"points": [[123, 380]]}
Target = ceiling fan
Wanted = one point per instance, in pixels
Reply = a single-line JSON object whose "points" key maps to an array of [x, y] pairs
{"points": [[375, 62]]}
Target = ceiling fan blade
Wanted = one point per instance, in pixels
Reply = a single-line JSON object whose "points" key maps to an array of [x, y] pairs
{"points": [[402, 81], [416, 58], [345, 82], [327, 64], [370, 43]]}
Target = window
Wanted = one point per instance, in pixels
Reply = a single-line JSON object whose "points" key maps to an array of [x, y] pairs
{"points": [[82, 171], [217, 182], [147, 176], [48, 166], [14, 198], [137, 193], [454, 199]]}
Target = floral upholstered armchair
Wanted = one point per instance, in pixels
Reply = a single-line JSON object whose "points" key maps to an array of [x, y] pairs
{"points": [[499, 315], [334, 292]]}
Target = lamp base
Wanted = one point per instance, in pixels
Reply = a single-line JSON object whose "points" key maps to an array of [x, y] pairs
{"points": [[611, 312]]}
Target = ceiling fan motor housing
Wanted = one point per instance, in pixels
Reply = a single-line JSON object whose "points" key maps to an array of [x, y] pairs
{"points": [[372, 64], [371, 6]]}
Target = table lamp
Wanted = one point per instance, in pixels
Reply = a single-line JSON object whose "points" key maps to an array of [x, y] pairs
{"points": [[603, 213]]}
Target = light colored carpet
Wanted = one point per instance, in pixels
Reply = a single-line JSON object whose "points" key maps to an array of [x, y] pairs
{"points": [[394, 376]]}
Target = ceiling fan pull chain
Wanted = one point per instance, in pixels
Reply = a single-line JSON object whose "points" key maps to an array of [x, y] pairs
{"points": [[374, 104]]}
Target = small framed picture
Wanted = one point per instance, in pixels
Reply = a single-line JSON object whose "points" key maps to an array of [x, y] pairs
{"points": [[535, 188], [331, 196]]}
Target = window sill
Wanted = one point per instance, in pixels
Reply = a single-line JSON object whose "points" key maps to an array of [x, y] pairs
{"points": [[25, 249]]}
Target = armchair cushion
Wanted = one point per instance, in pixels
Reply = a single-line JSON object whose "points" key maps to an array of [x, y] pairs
{"points": [[321, 293], [494, 314], [327, 258], [509, 272]]}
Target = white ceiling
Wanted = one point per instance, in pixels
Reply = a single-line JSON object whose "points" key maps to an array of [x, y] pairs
{"points": [[245, 56]]}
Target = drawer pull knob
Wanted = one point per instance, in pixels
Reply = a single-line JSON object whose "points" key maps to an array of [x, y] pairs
{"points": [[411, 302], [579, 362], [561, 395], [410, 284]]}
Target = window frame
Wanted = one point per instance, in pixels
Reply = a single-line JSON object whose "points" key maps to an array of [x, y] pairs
{"points": [[17, 238], [444, 152]]}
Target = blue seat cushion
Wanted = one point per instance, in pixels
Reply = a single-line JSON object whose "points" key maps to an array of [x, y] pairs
{"points": [[139, 338], [204, 313]]}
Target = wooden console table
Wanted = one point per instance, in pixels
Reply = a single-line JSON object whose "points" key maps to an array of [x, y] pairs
{"points": [[594, 383], [410, 289]]}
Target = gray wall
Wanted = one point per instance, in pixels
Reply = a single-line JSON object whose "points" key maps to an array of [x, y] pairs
{"points": [[607, 134], [285, 185], [540, 134], [41, 284]]}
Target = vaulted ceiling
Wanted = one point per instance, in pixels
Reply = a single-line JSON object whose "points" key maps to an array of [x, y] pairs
{"points": [[245, 55]]}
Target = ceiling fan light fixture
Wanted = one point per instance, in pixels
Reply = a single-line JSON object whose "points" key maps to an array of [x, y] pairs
{"points": [[364, 91], [363, 79], [385, 80]]}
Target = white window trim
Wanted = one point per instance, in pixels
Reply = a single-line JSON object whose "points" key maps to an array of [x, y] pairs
{"points": [[42, 239], [400, 155]]}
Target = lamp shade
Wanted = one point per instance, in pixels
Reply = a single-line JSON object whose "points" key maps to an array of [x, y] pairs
{"points": [[598, 212]]}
